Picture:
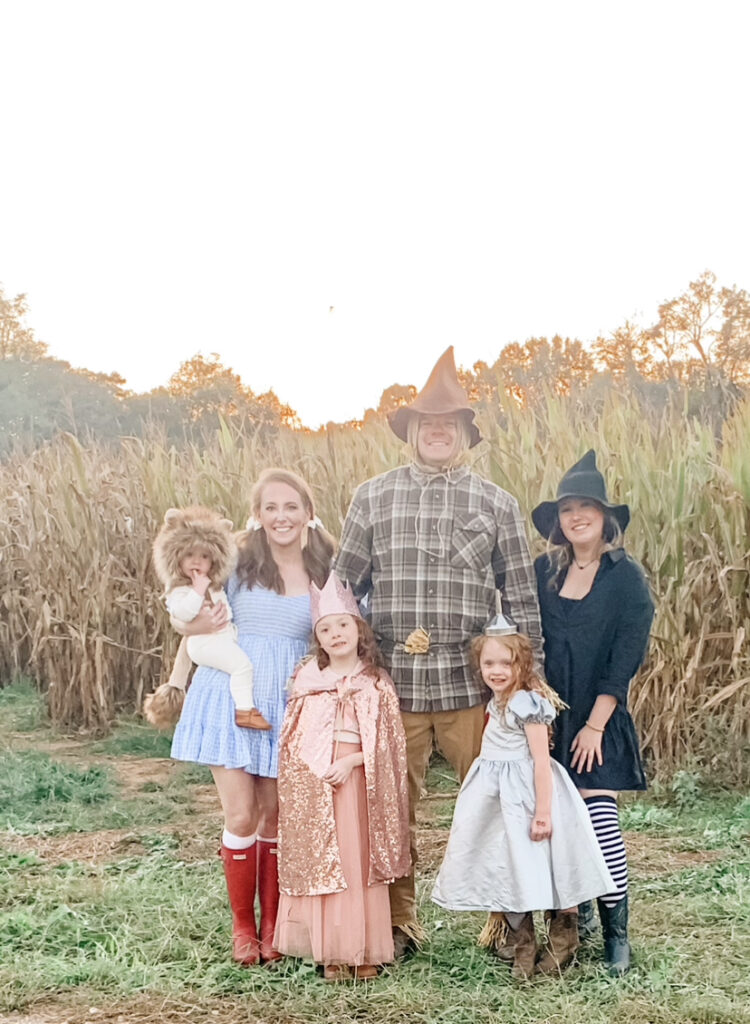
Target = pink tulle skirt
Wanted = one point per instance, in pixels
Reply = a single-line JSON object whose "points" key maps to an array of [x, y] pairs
{"points": [[349, 927]]}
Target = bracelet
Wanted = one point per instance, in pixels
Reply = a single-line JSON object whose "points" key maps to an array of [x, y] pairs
{"points": [[594, 727]]}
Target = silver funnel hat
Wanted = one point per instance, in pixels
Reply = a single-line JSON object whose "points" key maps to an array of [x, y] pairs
{"points": [[500, 626]]}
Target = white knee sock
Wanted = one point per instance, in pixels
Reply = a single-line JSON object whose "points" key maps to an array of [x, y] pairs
{"points": [[233, 842]]}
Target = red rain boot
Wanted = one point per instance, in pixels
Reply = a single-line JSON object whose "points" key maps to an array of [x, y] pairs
{"points": [[240, 872], [268, 891]]}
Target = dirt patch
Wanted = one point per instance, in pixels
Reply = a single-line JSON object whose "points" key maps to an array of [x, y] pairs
{"points": [[430, 849], [133, 773], [206, 801], [67, 746], [147, 1010], [650, 856], [197, 839], [83, 847], [193, 843], [50, 1015]]}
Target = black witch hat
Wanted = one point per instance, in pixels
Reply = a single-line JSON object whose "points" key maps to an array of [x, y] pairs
{"points": [[583, 480]]}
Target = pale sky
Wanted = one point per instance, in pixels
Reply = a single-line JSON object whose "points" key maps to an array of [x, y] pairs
{"points": [[180, 176]]}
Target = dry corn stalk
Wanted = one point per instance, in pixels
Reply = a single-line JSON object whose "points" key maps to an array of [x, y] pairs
{"points": [[80, 609]]}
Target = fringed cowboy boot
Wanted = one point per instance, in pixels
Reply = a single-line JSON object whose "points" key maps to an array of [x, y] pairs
{"points": [[562, 942], [268, 893], [615, 930], [240, 873], [524, 954]]}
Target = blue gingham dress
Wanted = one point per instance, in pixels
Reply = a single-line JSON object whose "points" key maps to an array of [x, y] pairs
{"points": [[274, 631]]}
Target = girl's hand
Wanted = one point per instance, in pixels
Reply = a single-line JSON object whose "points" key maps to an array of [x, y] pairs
{"points": [[341, 769], [208, 620], [541, 827], [200, 581], [586, 746]]}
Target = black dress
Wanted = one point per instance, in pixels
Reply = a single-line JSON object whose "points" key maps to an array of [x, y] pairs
{"points": [[595, 646]]}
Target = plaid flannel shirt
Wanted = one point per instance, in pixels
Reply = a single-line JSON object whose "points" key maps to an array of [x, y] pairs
{"points": [[431, 550]]}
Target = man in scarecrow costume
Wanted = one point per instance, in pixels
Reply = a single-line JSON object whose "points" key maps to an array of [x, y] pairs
{"points": [[429, 545]]}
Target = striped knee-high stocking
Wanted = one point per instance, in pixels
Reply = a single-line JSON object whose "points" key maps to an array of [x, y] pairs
{"points": [[605, 819]]}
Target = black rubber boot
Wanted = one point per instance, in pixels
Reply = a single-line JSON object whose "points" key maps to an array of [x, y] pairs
{"points": [[587, 923], [615, 930]]}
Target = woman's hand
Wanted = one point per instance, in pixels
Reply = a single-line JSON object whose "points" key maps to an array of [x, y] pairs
{"points": [[541, 827], [342, 768], [586, 746], [208, 620]]}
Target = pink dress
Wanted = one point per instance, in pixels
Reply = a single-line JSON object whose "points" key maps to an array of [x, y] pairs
{"points": [[352, 926]]}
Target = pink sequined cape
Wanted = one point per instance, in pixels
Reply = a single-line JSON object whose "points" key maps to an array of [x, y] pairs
{"points": [[309, 862]]}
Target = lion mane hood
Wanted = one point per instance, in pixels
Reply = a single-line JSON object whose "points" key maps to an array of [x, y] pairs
{"points": [[188, 528]]}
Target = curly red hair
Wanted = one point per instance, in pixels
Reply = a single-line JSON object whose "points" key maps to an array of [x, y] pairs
{"points": [[522, 661]]}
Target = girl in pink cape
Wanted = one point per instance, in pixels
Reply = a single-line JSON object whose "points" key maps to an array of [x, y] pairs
{"points": [[343, 811]]}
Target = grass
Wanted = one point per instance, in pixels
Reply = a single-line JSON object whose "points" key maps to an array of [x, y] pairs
{"points": [[133, 736], [21, 709], [137, 925]]}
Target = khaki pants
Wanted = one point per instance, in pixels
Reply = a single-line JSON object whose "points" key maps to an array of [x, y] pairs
{"points": [[458, 737]]}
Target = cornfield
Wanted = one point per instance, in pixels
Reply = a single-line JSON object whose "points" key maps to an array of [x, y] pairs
{"points": [[81, 611]]}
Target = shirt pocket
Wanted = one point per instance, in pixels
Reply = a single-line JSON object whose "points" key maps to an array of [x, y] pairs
{"points": [[472, 542]]}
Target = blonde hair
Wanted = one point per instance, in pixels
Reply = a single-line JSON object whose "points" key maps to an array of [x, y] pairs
{"points": [[463, 440], [256, 563]]}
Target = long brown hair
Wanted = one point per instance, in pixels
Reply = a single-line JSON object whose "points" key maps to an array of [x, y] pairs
{"points": [[560, 550], [256, 564], [368, 651]]}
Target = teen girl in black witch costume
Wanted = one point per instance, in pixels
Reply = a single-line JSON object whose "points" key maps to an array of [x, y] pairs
{"points": [[596, 616]]}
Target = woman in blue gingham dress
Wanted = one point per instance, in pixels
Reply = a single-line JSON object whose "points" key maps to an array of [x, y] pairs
{"points": [[274, 631], [282, 551]]}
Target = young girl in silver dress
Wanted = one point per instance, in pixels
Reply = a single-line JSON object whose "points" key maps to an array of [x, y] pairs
{"points": [[521, 838]]}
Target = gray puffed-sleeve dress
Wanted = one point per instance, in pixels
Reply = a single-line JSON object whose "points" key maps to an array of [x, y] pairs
{"points": [[491, 863]]}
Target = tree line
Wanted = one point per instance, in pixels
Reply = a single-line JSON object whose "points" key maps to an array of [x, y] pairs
{"points": [[41, 396], [698, 347]]}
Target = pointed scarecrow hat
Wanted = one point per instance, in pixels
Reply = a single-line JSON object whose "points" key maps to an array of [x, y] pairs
{"points": [[583, 480], [334, 598], [441, 396]]}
